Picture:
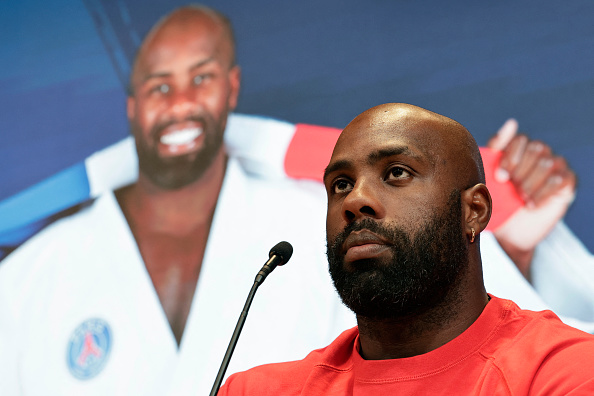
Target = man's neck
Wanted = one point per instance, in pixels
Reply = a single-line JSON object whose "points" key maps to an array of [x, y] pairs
{"points": [[171, 229], [174, 212], [419, 334]]}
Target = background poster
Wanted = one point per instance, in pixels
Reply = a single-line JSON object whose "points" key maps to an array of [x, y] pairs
{"points": [[65, 64]]}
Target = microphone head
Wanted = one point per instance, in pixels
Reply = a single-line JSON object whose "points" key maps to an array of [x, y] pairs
{"points": [[282, 249]]}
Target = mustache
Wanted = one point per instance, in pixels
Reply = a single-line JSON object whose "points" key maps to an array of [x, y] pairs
{"points": [[159, 127], [365, 224]]}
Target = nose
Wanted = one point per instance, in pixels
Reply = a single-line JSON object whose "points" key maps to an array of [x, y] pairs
{"points": [[182, 104], [363, 201]]}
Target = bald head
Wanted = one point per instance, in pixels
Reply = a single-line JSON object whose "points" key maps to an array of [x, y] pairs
{"points": [[451, 147], [192, 20]]}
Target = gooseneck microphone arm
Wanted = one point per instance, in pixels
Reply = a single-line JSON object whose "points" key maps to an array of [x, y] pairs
{"points": [[279, 255]]}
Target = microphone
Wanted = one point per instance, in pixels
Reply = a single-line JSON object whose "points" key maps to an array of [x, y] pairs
{"points": [[278, 255]]}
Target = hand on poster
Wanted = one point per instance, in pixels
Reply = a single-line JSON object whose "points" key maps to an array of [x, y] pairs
{"points": [[545, 182]]}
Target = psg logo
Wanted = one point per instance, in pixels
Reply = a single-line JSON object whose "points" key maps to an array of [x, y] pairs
{"points": [[88, 348]]}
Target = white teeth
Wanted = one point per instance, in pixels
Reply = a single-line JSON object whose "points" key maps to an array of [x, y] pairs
{"points": [[183, 136]]}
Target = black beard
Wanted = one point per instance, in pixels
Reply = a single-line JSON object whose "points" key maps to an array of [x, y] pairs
{"points": [[418, 277], [177, 172]]}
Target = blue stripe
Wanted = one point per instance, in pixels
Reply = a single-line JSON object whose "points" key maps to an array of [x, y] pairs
{"points": [[25, 213]]}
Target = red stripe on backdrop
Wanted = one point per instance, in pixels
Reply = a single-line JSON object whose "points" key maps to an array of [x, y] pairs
{"points": [[312, 145]]}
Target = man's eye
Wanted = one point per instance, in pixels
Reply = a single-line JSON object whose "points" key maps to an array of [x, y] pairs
{"points": [[397, 173], [341, 186], [161, 88], [199, 79]]}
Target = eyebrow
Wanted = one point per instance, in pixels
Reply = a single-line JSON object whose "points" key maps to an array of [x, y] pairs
{"points": [[378, 155], [372, 158], [342, 164], [166, 74]]}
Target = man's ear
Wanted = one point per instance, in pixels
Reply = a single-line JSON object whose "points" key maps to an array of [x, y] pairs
{"points": [[235, 84], [131, 107], [476, 209]]}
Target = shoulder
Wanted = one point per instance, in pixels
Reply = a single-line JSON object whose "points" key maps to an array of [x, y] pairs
{"points": [[294, 209], [56, 244], [290, 377], [540, 329], [543, 325], [565, 355], [540, 347], [288, 188], [270, 379]]}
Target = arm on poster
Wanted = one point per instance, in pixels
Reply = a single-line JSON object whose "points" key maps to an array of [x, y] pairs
{"points": [[543, 180]]}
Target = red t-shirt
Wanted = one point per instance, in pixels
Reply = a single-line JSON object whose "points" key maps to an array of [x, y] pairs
{"points": [[507, 351]]}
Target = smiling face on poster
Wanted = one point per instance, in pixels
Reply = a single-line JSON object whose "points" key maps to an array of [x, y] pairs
{"points": [[184, 83]]}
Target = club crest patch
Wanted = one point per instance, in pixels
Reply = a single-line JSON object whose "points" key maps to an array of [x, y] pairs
{"points": [[88, 348]]}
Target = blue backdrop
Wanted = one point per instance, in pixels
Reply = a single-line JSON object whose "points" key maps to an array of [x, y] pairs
{"points": [[64, 66]]}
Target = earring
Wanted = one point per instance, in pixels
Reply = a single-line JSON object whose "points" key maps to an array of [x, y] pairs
{"points": [[472, 237]]}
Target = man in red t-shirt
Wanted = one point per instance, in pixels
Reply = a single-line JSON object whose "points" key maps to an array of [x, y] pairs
{"points": [[406, 203]]}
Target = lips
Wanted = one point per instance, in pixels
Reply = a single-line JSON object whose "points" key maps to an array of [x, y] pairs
{"points": [[180, 138], [364, 244]]}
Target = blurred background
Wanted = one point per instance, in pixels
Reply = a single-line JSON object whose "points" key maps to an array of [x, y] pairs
{"points": [[64, 67]]}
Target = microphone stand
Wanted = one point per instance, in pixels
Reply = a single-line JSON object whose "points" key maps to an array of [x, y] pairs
{"points": [[234, 338], [276, 258]]}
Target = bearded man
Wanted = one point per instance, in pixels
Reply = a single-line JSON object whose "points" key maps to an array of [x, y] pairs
{"points": [[406, 205]]}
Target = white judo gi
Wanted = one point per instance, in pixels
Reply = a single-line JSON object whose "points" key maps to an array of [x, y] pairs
{"points": [[87, 267]]}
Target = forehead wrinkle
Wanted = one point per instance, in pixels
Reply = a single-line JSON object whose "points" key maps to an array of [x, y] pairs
{"points": [[380, 154], [202, 63]]}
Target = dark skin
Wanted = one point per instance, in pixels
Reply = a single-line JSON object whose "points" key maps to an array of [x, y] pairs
{"points": [[185, 64], [407, 162]]}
